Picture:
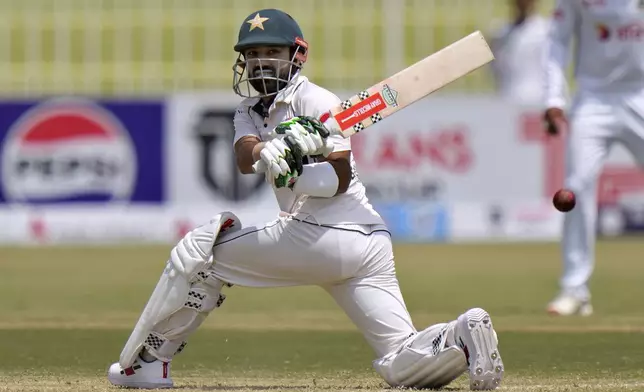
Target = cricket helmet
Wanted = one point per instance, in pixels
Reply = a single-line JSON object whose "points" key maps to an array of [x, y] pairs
{"points": [[267, 76]]}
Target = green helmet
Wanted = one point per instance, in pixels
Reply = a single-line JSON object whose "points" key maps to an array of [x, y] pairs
{"points": [[268, 75]]}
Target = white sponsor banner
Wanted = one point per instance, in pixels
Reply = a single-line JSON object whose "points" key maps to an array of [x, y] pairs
{"points": [[15, 226], [526, 221], [166, 225], [447, 148], [451, 149], [455, 150], [88, 225], [201, 163], [79, 225]]}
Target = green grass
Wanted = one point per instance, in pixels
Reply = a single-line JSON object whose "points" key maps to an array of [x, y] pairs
{"points": [[119, 47], [299, 357], [66, 312]]}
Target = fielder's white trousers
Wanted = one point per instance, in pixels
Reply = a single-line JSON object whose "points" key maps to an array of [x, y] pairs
{"points": [[596, 123], [353, 263]]}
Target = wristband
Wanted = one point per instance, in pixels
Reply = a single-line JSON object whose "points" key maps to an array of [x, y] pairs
{"points": [[317, 179]]}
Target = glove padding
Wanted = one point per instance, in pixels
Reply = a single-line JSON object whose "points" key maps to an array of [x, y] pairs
{"points": [[309, 134], [283, 161]]}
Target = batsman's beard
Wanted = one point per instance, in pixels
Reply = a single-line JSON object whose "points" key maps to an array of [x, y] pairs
{"points": [[265, 80]]}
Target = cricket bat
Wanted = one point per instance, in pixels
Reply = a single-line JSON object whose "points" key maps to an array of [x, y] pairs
{"points": [[411, 84], [408, 86]]}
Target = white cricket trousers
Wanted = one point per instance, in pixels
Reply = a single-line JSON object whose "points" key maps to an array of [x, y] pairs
{"points": [[353, 263], [596, 123]]}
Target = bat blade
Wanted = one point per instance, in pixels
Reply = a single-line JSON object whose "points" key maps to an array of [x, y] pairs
{"points": [[411, 84], [406, 87]]}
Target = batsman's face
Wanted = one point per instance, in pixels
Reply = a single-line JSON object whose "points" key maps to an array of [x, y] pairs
{"points": [[267, 66], [266, 58], [267, 69]]}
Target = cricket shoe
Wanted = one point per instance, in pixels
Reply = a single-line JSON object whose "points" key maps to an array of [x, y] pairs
{"points": [[141, 375], [568, 305], [475, 334]]}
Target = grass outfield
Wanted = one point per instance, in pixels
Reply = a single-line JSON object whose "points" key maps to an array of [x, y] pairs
{"points": [[66, 312]]}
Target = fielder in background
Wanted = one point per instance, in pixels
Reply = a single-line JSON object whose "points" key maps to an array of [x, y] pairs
{"points": [[328, 236], [519, 47], [607, 108]]}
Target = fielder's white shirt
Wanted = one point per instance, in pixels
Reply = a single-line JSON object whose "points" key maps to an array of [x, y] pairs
{"points": [[609, 55], [304, 98], [518, 67]]}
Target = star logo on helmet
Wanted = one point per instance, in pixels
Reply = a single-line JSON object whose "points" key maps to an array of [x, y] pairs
{"points": [[257, 21]]}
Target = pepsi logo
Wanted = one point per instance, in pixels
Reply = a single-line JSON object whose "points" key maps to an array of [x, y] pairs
{"points": [[68, 151]]}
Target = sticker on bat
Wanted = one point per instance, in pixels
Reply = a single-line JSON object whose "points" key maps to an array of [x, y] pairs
{"points": [[360, 111], [390, 95]]}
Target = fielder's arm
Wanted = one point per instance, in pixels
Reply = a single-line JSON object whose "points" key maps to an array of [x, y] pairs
{"points": [[563, 25]]}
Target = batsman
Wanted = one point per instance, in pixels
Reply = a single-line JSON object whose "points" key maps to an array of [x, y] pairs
{"points": [[327, 235]]}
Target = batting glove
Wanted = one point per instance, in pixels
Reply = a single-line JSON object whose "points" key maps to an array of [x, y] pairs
{"points": [[308, 133], [283, 161]]}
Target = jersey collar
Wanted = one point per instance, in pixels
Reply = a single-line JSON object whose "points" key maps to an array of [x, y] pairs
{"points": [[288, 93]]}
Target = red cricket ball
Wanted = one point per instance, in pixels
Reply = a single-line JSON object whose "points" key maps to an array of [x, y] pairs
{"points": [[564, 200]]}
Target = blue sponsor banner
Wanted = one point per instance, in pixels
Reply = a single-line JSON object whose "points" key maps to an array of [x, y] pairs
{"points": [[73, 150], [415, 221]]}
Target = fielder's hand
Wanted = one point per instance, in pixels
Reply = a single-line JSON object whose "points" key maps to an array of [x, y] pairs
{"points": [[309, 134], [282, 159], [556, 121]]}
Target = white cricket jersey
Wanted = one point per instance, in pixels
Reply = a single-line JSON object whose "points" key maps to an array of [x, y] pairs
{"points": [[609, 55], [304, 98], [518, 65]]}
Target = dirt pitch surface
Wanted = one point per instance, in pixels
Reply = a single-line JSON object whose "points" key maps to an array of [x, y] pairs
{"points": [[66, 312]]}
